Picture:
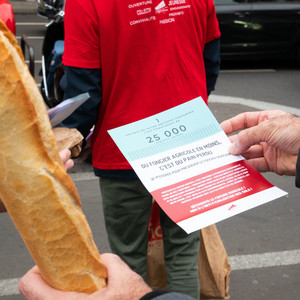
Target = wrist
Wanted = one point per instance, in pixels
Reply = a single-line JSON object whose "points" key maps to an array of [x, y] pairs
{"points": [[138, 290]]}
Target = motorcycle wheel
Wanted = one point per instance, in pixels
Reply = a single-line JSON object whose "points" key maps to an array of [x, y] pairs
{"points": [[50, 102], [58, 75]]}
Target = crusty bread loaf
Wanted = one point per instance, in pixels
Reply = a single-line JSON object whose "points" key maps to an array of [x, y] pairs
{"points": [[40, 197], [9, 35]]}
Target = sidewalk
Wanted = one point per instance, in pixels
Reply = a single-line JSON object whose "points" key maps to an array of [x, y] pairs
{"points": [[24, 7]]}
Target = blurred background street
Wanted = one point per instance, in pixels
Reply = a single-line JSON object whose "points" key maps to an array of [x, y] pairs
{"points": [[263, 244]]}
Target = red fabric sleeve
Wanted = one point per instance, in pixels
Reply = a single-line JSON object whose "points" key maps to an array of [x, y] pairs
{"points": [[82, 38], [213, 31]]}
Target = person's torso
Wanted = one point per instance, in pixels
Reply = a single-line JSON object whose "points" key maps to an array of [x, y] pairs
{"points": [[151, 59]]}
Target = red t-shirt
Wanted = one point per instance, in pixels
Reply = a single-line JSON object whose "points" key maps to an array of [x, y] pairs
{"points": [[150, 53]]}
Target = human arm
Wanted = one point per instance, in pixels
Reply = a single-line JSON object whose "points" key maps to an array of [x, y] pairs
{"points": [[123, 284], [212, 62], [83, 64], [270, 140], [211, 52], [79, 81]]}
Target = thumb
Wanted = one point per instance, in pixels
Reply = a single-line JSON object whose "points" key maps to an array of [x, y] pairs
{"points": [[245, 139], [234, 148]]}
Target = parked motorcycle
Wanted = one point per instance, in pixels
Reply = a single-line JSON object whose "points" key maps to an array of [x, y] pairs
{"points": [[52, 72], [49, 8]]}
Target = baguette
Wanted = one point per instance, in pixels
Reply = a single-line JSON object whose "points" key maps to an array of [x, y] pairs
{"points": [[39, 196], [12, 39]]}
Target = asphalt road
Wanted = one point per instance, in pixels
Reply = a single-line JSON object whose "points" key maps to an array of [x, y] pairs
{"points": [[263, 244]]}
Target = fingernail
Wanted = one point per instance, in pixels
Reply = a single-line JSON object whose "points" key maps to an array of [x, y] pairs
{"points": [[231, 149]]}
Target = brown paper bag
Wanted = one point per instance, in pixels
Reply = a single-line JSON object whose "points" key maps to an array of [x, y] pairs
{"points": [[68, 138], [214, 266], [156, 274]]}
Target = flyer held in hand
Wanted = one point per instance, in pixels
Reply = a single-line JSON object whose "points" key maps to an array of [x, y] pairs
{"points": [[181, 156]]}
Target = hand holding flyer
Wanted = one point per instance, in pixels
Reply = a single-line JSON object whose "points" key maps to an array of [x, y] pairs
{"points": [[61, 111], [181, 157]]}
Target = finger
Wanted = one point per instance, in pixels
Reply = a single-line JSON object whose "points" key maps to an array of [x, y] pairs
{"points": [[254, 152], [123, 283], [247, 138], [260, 164], [110, 259], [241, 121], [119, 272], [32, 286], [249, 119], [115, 266], [65, 155], [68, 165], [232, 138]]}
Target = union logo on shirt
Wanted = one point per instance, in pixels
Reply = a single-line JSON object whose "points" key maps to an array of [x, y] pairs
{"points": [[162, 11], [161, 8]]}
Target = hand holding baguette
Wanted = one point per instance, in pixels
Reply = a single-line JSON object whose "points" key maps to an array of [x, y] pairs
{"points": [[39, 196], [123, 284]]}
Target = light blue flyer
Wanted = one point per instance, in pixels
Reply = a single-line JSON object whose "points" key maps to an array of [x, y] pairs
{"points": [[181, 157], [175, 127]]}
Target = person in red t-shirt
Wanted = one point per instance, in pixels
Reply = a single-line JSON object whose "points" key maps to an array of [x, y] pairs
{"points": [[139, 58]]}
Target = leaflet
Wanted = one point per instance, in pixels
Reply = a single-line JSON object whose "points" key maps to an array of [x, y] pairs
{"points": [[61, 111], [181, 157]]}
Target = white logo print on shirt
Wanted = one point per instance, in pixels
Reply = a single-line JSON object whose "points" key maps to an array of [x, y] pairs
{"points": [[165, 12], [161, 7]]}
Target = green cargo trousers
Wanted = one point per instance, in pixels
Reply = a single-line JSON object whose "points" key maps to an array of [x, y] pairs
{"points": [[127, 208]]}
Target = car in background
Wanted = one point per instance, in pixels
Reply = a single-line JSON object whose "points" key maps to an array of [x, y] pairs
{"points": [[7, 15], [259, 29]]}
